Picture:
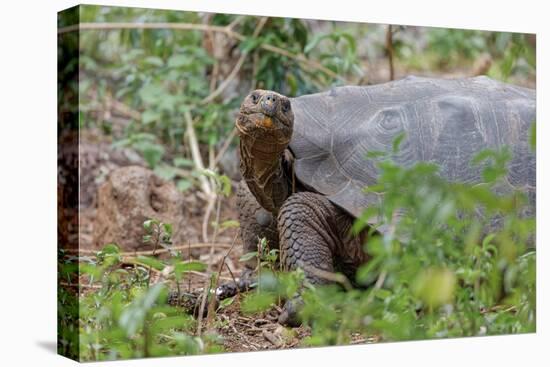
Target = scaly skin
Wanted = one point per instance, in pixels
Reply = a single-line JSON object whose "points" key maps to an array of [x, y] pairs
{"points": [[313, 234], [256, 223]]}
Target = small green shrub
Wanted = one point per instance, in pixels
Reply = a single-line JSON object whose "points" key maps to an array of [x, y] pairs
{"points": [[440, 269], [120, 314]]}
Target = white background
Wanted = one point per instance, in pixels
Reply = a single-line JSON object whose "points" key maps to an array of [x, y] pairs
{"points": [[28, 181]]}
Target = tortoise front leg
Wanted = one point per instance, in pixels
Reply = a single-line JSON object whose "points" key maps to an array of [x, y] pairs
{"points": [[313, 237], [255, 223]]}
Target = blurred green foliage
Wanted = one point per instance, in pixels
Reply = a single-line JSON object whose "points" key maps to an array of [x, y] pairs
{"points": [[507, 54], [136, 84], [120, 314], [442, 268]]}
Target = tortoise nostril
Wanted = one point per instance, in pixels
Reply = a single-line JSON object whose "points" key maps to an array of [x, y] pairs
{"points": [[271, 97], [270, 103]]}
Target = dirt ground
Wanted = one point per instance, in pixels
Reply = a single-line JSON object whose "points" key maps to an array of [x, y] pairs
{"points": [[240, 332]]}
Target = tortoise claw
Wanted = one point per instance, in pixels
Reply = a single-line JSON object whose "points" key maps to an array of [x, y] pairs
{"points": [[289, 316], [244, 284]]}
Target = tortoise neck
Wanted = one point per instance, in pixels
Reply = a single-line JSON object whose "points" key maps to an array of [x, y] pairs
{"points": [[262, 167]]}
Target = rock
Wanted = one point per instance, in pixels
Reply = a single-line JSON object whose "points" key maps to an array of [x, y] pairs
{"points": [[98, 158], [130, 196]]}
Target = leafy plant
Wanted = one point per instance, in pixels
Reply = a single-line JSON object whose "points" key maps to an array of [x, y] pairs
{"points": [[442, 268], [120, 314]]}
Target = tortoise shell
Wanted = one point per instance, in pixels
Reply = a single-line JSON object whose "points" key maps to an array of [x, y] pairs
{"points": [[446, 122]]}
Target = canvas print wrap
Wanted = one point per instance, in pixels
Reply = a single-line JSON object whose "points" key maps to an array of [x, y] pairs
{"points": [[232, 183]]}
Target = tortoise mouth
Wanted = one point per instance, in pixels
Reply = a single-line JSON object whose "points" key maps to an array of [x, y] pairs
{"points": [[263, 129], [255, 120]]}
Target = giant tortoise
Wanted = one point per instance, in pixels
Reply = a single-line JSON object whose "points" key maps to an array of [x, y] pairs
{"points": [[304, 168]]}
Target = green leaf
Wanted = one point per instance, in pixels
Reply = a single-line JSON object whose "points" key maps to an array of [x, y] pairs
{"points": [[257, 302], [151, 93], [148, 225], [435, 286], [182, 267], [133, 317], [150, 116], [225, 185], [166, 172], [230, 224], [373, 154], [397, 142], [167, 228], [152, 153], [110, 249], [154, 60], [249, 44], [314, 42], [226, 302], [150, 262], [248, 256], [183, 162], [178, 61], [184, 185]]}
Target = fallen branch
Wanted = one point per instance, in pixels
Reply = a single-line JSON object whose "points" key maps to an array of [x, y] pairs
{"points": [[78, 285], [270, 337], [150, 252]]}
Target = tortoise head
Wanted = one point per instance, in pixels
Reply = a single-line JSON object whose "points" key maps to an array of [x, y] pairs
{"points": [[267, 117]]}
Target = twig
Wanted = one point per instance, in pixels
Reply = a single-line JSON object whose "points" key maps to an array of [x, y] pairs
{"points": [[78, 285], [271, 338], [496, 308], [150, 252], [379, 283], [236, 68], [225, 146], [206, 185], [243, 337], [235, 22], [214, 77], [390, 50], [208, 211], [207, 287], [125, 109], [226, 82], [189, 255], [232, 275], [328, 275], [211, 307], [157, 242], [204, 28], [198, 273], [158, 25], [196, 155], [255, 60]]}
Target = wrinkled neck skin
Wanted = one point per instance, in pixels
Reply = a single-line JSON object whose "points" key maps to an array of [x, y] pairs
{"points": [[262, 167]]}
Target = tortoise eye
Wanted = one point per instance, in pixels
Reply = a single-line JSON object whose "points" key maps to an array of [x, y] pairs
{"points": [[254, 97], [286, 105]]}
